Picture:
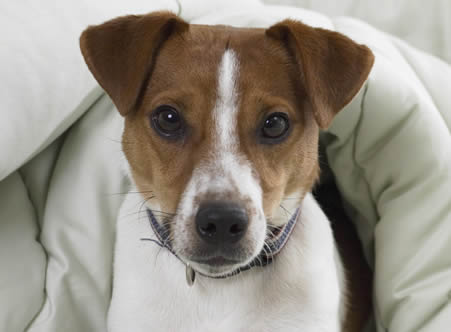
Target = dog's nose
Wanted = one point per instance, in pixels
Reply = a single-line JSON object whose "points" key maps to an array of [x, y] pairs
{"points": [[221, 222]]}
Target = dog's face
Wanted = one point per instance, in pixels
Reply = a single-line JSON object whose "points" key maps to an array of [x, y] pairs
{"points": [[221, 123]]}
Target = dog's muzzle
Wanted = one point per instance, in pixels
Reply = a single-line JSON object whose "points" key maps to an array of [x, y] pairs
{"points": [[207, 222]]}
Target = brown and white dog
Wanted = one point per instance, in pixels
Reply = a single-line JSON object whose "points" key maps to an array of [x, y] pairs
{"points": [[221, 136]]}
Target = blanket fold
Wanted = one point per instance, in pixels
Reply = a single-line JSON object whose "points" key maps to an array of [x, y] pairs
{"points": [[389, 149]]}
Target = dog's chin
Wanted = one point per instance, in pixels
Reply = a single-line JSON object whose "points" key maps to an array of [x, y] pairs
{"points": [[218, 266], [214, 270]]}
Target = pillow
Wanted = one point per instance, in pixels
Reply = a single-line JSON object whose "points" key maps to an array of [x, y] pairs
{"points": [[44, 77]]}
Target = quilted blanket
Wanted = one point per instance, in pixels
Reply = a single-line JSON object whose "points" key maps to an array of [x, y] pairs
{"points": [[61, 186]]}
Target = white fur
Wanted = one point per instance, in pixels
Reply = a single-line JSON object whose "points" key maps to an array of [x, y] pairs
{"points": [[299, 291], [226, 108]]}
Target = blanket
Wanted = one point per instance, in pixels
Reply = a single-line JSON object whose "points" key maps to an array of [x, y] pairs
{"points": [[61, 186]]}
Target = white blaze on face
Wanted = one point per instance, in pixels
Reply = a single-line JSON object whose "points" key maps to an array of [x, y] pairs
{"points": [[226, 108], [227, 171], [236, 170]]}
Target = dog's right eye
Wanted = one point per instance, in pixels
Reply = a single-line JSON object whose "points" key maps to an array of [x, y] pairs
{"points": [[167, 122], [274, 128]]}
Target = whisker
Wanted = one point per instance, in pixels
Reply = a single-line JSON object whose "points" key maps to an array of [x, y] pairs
{"points": [[287, 213], [142, 216], [120, 141], [144, 202], [271, 255], [140, 208], [163, 212], [152, 240], [131, 192]]}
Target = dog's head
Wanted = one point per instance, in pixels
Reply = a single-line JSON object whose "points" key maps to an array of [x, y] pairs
{"points": [[221, 123]]}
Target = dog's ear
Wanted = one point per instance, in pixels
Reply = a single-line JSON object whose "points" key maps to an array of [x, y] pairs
{"points": [[121, 53], [332, 66]]}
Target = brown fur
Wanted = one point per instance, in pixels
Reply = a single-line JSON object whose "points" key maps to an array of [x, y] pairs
{"points": [[146, 61], [118, 58], [333, 66]]}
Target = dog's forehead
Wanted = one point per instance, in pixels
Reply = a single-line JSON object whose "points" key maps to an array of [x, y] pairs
{"points": [[213, 40], [196, 54]]}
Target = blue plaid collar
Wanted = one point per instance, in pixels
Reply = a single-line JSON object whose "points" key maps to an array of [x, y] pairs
{"points": [[274, 246]]}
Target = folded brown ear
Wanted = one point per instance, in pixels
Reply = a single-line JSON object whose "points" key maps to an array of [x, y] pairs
{"points": [[120, 53], [333, 67]]}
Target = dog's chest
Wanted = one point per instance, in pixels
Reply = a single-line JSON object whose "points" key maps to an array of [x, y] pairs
{"points": [[165, 302], [242, 303], [207, 306]]}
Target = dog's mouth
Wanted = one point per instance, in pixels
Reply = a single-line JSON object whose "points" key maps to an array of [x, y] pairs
{"points": [[219, 262], [216, 262], [216, 266]]}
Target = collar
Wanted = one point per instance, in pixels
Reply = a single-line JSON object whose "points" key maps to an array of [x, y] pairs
{"points": [[266, 256]]}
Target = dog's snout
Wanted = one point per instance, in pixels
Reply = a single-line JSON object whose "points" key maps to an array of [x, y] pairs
{"points": [[221, 222]]}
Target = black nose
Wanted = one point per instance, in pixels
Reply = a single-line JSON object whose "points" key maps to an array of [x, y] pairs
{"points": [[221, 222]]}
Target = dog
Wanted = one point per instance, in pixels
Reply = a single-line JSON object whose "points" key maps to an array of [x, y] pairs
{"points": [[220, 231]]}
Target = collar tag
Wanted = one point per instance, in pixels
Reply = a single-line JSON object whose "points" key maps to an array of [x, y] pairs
{"points": [[190, 275]]}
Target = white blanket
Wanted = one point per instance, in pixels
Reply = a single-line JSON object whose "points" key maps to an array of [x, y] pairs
{"points": [[390, 150]]}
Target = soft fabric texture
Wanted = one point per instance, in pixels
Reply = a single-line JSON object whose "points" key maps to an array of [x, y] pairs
{"points": [[425, 25], [61, 189]]}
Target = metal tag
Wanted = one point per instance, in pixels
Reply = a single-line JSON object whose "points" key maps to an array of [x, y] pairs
{"points": [[190, 275]]}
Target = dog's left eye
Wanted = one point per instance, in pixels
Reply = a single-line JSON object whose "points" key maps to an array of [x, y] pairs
{"points": [[167, 121], [275, 127]]}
